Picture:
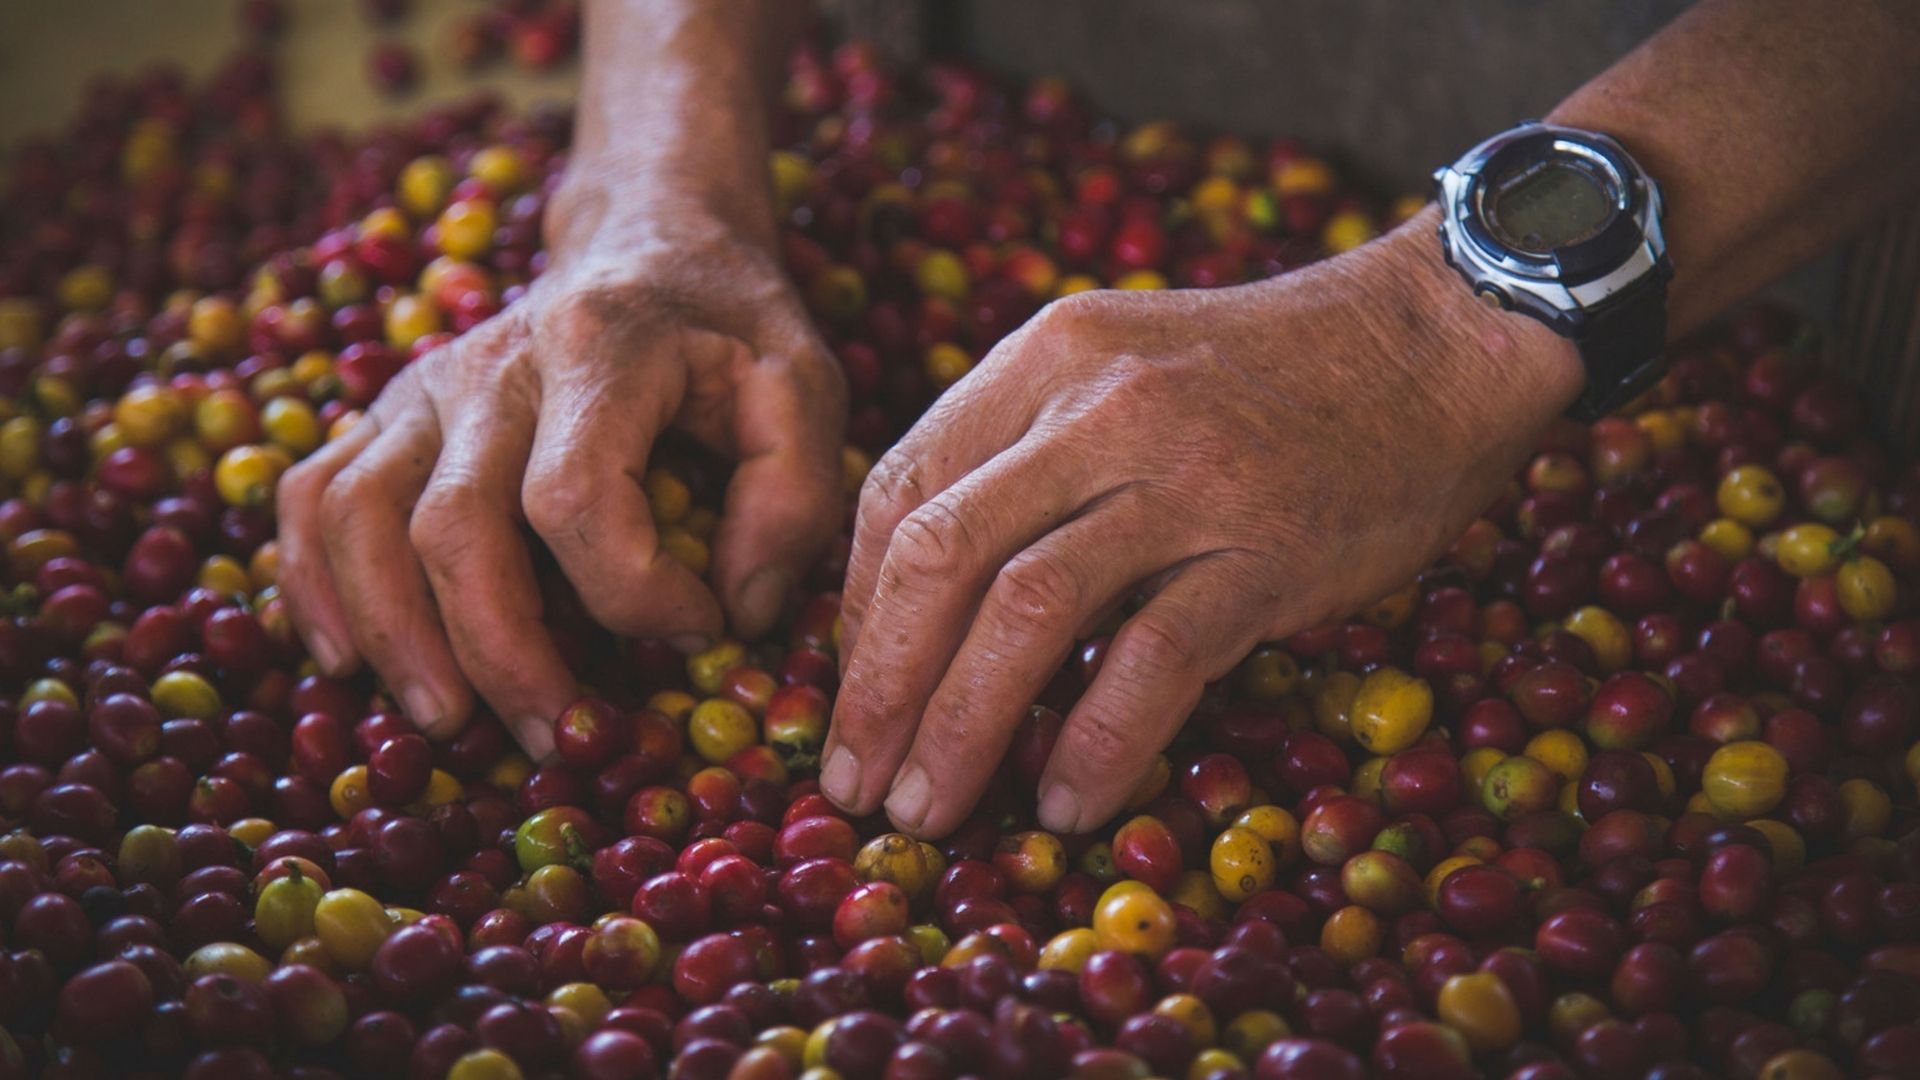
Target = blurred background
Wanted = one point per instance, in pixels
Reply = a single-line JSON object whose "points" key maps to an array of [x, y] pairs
{"points": [[1387, 88], [1396, 87]]}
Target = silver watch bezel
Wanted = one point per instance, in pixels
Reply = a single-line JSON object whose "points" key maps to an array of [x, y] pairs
{"points": [[1533, 284]]}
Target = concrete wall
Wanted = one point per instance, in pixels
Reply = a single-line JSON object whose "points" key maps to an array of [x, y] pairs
{"points": [[1399, 86]]}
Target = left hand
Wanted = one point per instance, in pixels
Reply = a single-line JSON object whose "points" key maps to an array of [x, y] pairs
{"points": [[1258, 459]]}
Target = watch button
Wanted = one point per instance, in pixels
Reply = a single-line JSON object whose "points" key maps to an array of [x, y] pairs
{"points": [[1492, 296]]}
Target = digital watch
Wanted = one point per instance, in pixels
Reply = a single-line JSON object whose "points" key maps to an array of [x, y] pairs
{"points": [[1563, 226]]}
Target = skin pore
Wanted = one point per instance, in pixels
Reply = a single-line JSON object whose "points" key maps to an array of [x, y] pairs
{"points": [[1250, 461]]}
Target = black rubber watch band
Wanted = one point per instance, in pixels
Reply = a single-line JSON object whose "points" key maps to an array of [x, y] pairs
{"points": [[1623, 347]]}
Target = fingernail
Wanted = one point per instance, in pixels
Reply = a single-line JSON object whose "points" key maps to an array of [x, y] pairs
{"points": [[840, 779], [691, 643], [536, 738], [1060, 810], [910, 799], [764, 592], [328, 652], [423, 706]]}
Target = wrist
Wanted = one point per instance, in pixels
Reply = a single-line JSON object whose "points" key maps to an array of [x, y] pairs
{"points": [[604, 206], [621, 229], [1494, 369]]}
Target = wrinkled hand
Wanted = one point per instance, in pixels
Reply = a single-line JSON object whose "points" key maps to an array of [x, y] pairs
{"points": [[402, 542], [1258, 459]]}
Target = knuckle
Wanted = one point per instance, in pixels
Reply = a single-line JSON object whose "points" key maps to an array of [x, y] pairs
{"points": [[892, 485], [1040, 591], [932, 542], [820, 381], [1155, 646], [348, 501], [864, 698], [299, 487], [559, 506], [1071, 315], [590, 311], [440, 520], [1099, 742]]}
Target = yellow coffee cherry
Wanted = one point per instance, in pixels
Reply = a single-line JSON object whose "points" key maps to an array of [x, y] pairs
{"points": [[1253, 1031], [1475, 763], [185, 695], [1134, 919], [348, 793], [942, 273], [485, 1064], [351, 925], [1269, 674], [1867, 808], [667, 497], [248, 475], [1390, 710], [1068, 950], [705, 669], [1333, 705], [584, 999], [1352, 934], [720, 728], [424, 185], [1611, 640], [215, 327], [1807, 550], [1196, 891], [1368, 779], [1751, 495], [1190, 1013], [1561, 751], [1346, 230], [501, 168], [1866, 587], [226, 958], [1662, 774], [1731, 539], [1440, 871], [1278, 827], [1744, 779], [1789, 850], [1141, 281], [1480, 1007], [946, 363]]}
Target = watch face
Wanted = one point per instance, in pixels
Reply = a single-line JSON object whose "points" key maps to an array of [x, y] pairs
{"points": [[1542, 205]]}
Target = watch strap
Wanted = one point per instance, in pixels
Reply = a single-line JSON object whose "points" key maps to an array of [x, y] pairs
{"points": [[1623, 346]]}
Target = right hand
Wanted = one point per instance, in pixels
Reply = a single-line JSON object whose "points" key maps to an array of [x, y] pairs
{"points": [[402, 540]]}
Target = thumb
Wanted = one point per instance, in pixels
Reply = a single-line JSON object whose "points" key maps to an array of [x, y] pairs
{"points": [[784, 503]]}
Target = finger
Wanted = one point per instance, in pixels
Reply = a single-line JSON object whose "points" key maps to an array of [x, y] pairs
{"points": [[304, 577], [949, 439], [382, 590], [1190, 633], [582, 493], [466, 529], [784, 503], [940, 562], [1024, 630]]}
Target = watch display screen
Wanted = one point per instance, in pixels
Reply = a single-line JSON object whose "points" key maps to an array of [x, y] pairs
{"points": [[1547, 205]]}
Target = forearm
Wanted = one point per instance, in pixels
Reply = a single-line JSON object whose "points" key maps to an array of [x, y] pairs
{"points": [[672, 121], [1775, 127]]}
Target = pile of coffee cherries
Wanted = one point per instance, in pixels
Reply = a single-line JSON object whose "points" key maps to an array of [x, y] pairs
{"points": [[1624, 785]]}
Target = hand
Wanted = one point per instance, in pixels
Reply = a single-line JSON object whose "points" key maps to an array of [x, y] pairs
{"points": [[402, 541], [1258, 459]]}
